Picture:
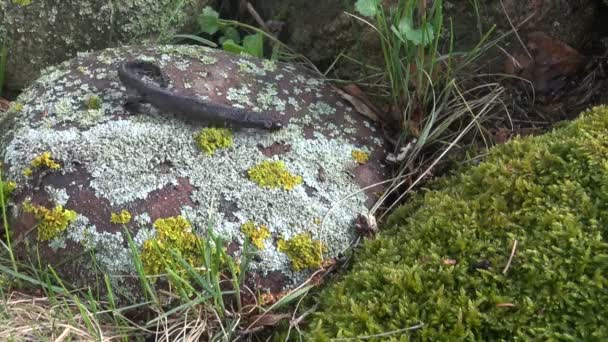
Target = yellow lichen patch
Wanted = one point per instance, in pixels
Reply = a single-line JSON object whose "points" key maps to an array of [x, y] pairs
{"points": [[172, 234], [8, 188], [273, 174], [210, 139], [27, 172], [123, 217], [303, 251], [256, 235], [45, 160], [50, 222], [360, 156], [15, 107], [93, 102]]}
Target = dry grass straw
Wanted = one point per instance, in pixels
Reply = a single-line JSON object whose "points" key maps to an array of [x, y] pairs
{"points": [[25, 317]]}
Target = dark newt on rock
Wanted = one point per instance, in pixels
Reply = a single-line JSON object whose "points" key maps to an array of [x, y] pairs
{"points": [[145, 82]]}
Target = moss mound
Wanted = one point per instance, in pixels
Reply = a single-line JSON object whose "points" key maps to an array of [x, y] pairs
{"points": [[441, 260]]}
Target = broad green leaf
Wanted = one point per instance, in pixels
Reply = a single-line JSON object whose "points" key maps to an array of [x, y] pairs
{"points": [[368, 8], [230, 46], [422, 36], [231, 33], [254, 44], [208, 21]]}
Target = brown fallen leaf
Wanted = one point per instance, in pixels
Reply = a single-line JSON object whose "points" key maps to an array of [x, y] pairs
{"points": [[549, 62], [355, 96], [449, 262], [4, 105], [265, 320]]}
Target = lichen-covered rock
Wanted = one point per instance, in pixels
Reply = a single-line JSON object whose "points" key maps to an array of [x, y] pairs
{"points": [[294, 192], [40, 33]]}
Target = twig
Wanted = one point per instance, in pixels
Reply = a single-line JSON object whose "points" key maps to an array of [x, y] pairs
{"points": [[515, 29], [510, 257], [388, 333], [257, 17]]}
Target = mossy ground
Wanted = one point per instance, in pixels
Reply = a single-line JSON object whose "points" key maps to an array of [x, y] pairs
{"points": [[442, 260]]}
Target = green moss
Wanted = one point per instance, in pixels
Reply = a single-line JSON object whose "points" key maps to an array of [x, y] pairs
{"points": [[303, 251], [257, 235], [123, 217], [442, 258], [360, 156], [45, 160], [92, 102], [210, 139], [273, 174], [172, 234], [50, 222]]}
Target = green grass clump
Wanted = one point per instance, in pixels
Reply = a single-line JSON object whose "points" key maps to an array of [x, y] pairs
{"points": [[443, 259]]}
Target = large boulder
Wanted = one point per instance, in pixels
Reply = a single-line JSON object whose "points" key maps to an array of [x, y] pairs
{"points": [[41, 33], [78, 157]]}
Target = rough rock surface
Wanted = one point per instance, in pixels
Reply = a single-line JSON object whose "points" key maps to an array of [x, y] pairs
{"points": [[47, 32], [148, 162], [327, 31]]}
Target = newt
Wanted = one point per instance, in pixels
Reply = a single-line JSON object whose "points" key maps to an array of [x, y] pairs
{"points": [[145, 82]]}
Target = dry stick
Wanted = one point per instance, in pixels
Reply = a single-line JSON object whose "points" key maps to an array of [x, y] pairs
{"points": [[415, 327], [510, 257], [257, 17]]}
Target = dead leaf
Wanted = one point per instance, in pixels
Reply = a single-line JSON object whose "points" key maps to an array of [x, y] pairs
{"points": [[266, 320], [449, 262], [552, 61], [366, 225], [357, 99], [4, 105]]}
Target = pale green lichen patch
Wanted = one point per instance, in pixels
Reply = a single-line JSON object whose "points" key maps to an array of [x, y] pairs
{"points": [[210, 139], [269, 65], [240, 96], [322, 108], [59, 196], [257, 235], [303, 251], [250, 67], [51, 222], [273, 174], [268, 99]]}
